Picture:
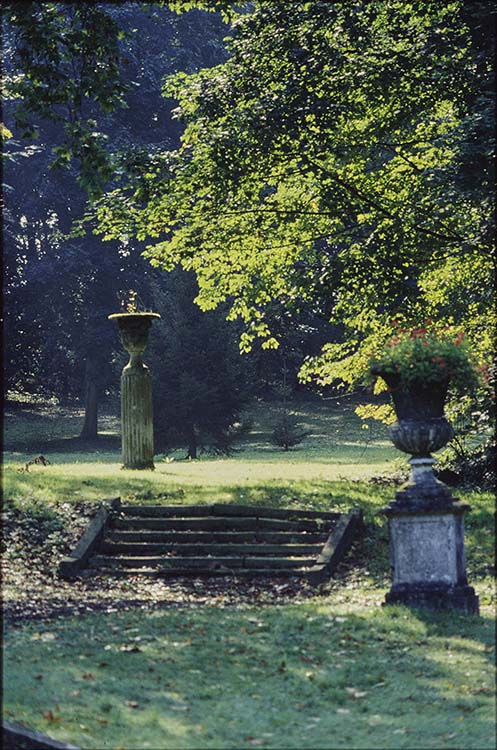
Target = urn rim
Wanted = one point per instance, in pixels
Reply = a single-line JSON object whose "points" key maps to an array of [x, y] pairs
{"points": [[133, 316]]}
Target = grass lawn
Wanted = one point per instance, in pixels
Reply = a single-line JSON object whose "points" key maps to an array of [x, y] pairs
{"points": [[198, 665], [319, 674]]}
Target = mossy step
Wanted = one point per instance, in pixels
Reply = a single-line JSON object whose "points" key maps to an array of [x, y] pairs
{"points": [[222, 537], [194, 572], [206, 563], [223, 509], [219, 523], [141, 549], [239, 540]]}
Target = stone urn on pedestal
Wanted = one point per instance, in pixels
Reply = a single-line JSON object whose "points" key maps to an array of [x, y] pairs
{"points": [[426, 523], [136, 391]]}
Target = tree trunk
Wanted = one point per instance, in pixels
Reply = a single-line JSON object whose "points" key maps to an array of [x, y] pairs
{"points": [[192, 443], [90, 427]]}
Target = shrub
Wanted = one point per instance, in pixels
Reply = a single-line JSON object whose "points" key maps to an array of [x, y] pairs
{"points": [[287, 432], [470, 467]]}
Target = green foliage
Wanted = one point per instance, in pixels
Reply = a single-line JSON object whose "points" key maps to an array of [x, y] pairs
{"points": [[225, 7], [201, 382], [428, 356], [65, 67], [382, 412], [59, 289], [287, 432], [5, 133], [338, 161], [470, 466]]}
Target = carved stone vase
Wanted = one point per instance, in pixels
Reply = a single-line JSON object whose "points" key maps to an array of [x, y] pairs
{"points": [[136, 392], [426, 522]]}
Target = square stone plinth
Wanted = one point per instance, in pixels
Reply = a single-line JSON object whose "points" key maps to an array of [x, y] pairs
{"points": [[427, 549], [428, 560]]}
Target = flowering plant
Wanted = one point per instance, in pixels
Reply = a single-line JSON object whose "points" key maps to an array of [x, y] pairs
{"points": [[428, 356]]}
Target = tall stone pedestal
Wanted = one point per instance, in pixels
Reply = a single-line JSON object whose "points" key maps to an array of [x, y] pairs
{"points": [[427, 545], [136, 417], [136, 392]]}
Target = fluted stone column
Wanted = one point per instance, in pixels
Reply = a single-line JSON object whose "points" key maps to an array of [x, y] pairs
{"points": [[136, 392]]}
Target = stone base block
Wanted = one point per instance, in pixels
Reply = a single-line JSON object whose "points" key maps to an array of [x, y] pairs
{"points": [[427, 549], [435, 597]]}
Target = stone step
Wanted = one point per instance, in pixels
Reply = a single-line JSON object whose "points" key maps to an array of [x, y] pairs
{"points": [[144, 549], [212, 540], [223, 509], [222, 537], [177, 572], [205, 563], [219, 523]]}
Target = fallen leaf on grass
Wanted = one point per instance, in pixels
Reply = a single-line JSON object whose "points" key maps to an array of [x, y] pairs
{"points": [[308, 659], [132, 704], [354, 693], [88, 676], [374, 720], [49, 716]]}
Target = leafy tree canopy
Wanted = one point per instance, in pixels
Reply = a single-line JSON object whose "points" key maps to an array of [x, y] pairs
{"points": [[340, 159], [63, 65], [58, 289]]}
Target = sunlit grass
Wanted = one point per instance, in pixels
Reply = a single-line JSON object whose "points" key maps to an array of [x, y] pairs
{"points": [[90, 478], [310, 675], [337, 448]]}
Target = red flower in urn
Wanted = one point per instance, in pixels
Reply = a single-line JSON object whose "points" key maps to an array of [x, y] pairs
{"points": [[418, 366]]}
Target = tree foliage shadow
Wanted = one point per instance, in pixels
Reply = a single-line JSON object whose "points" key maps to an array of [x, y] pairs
{"points": [[290, 661]]}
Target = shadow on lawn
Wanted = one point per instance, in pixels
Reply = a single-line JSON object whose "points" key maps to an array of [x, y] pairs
{"points": [[218, 677], [300, 494], [72, 444]]}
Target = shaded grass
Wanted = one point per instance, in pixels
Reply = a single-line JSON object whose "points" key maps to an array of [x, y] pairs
{"points": [[311, 675], [334, 431], [40, 427], [41, 496]]}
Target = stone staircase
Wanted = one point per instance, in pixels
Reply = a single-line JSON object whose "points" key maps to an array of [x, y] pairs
{"points": [[216, 540]]}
